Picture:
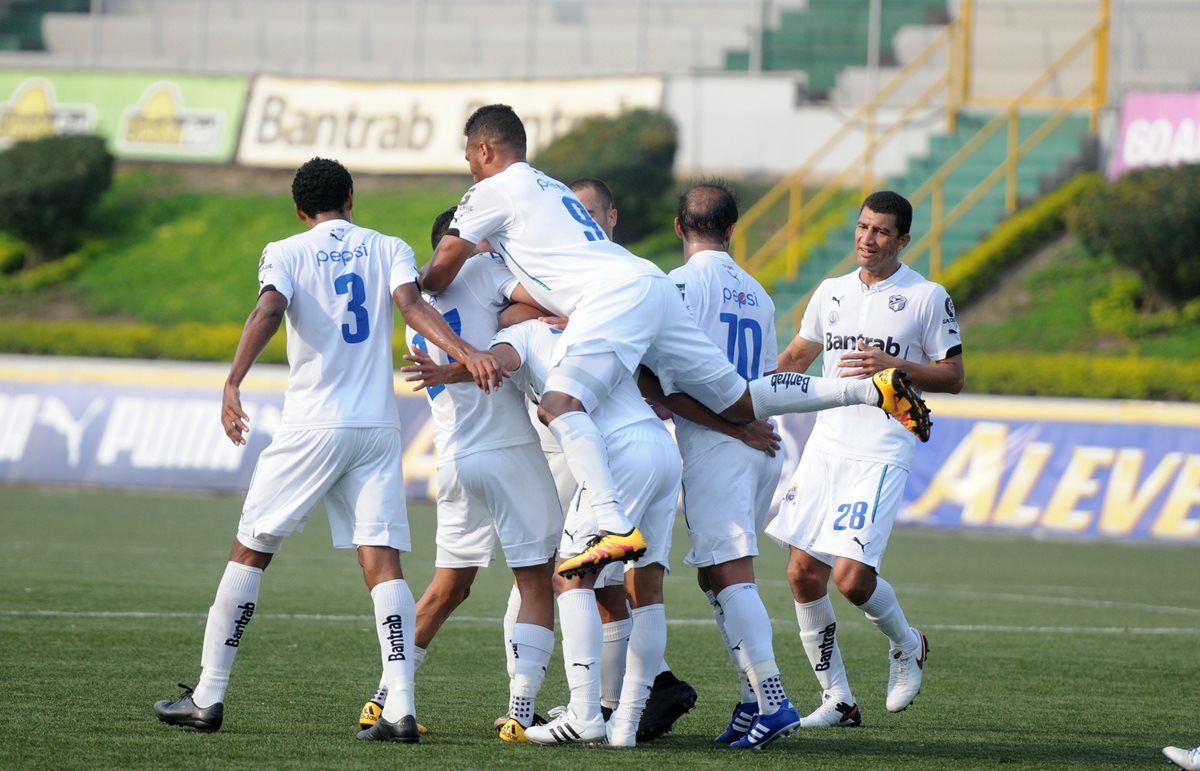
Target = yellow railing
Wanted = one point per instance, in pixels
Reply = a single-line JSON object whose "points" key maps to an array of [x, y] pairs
{"points": [[956, 40]]}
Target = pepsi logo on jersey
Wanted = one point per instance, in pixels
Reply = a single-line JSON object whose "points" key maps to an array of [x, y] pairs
{"points": [[741, 298], [341, 257]]}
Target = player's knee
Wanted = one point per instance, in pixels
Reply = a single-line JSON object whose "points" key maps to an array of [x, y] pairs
{"points": [[857, 586], [807, 584], [556, 403]]}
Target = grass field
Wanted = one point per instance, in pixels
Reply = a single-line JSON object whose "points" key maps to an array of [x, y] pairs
{"points": [[1043, 654]]}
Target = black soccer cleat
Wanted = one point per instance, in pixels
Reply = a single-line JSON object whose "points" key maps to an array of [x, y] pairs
{"points": [[184, 712], [670, 699], [403, 730]]}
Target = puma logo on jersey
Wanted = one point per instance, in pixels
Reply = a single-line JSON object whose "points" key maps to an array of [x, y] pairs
{"points": [[837, 300], [861, 545]]}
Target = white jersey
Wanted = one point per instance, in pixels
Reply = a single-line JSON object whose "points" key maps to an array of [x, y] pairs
{"points": [[338, 279], [906, 316], [549, 241], [736, 313], [535, 342], [466, 419]]}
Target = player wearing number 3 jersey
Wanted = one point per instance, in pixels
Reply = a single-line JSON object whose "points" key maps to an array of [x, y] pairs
{"points": [[339, 440], [623, 309]]}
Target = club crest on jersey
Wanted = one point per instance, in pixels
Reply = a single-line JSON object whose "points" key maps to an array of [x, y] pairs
{"points": [[833, 318], [897, 302], [790, 495], [949, 309]]}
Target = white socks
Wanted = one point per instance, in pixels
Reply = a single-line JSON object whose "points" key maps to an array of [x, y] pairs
{"points": [[735, 654], [612, 661], [510, 620], [746, 620], [231, 611], [786, 392], [647, 644], [818, 635], [532, 646], [582, 642], [395, 625], [883, 610], [587, 456]]}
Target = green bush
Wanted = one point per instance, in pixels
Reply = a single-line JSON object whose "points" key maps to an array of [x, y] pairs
{"points": [[633, 153], [1149, 221], [1083, 375], [47, 187], [1016, 239]]}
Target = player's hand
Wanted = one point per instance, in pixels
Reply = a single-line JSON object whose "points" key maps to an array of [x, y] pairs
{"points": [[423, 371], [558, 322], [865, 361], [660, 412], [761, 435], [486, 370], [234, 421]]}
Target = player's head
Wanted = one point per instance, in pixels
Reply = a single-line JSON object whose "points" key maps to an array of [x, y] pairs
{"points": [[882, 231], [322, 185], [708, 211], [888, 202], [598, 200], [495, 139], [440, 225]]}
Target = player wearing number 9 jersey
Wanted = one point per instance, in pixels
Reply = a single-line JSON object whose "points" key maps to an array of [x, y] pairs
{"points": [[622, 309]]}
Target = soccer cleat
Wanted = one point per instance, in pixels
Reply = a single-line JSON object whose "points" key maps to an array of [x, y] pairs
{"points": [[537, 719], [670, 699], [603, 549], [739, 724], [767, 728], [833, 714], [403, 730], [512, 731], [184, 712], [1188, 760], [904, 677], [621, 733], [568, 729], [900, 400], [373, 710]]}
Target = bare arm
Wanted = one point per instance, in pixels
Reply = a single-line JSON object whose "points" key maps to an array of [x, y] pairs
{"points": [[427, 374], [421, 316], [799, 355], [525, 308], [759, 434], [447, 260], [261, 326]]}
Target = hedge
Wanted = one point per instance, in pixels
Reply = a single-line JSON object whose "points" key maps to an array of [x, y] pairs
{"points": [[1083, 375], [977, 271]]}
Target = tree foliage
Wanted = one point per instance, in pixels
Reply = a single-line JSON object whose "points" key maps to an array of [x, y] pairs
{"points": [[1149, 221], [47, 188], [633, 153]]}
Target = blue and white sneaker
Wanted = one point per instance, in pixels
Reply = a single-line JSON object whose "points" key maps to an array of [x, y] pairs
{"points": [[739, 724], [767, 728]]}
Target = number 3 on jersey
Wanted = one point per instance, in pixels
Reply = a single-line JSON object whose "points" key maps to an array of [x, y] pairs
{"points": [[580, 215], [352, 284]]}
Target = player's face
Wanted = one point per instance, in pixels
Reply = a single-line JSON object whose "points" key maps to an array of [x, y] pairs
{"points": [[605, 217], [474, 160], [877, 243]]}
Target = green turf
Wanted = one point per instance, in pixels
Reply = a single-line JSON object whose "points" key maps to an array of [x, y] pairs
{"points": [[1043, 654]]}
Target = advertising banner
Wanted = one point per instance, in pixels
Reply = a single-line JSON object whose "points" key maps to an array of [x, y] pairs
{"points": [[143, 116], [1062, 468], [414, 127], [1157, 129]]}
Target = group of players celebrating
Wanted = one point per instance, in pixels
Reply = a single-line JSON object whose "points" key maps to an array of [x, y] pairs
{"points": [[551, 357]]}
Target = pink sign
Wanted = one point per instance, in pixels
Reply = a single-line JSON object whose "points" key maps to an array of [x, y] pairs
{"points": [[1157, 129]]}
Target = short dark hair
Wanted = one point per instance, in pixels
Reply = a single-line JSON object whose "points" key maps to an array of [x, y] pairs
{"points": [[708, 209], [496, 123], [321, 185], [440, 225], [598, 187], [889, 202]]}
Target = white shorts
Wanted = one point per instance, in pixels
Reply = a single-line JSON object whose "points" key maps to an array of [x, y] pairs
{"points": [[840, 507], [506, 493], [727, 491], [355, 470], [646, 319], [645, 466]]}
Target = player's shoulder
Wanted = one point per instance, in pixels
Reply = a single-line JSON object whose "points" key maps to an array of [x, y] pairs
{"points": [[925, 287]]}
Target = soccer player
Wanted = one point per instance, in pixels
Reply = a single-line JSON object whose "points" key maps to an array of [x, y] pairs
{"points": [[838, 514], [339, 437], [493, 483], [727, 485], [622, 309], [646, 468]]}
